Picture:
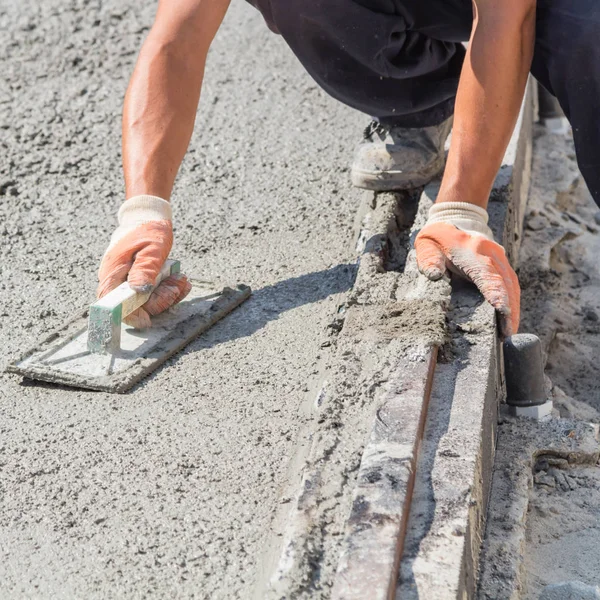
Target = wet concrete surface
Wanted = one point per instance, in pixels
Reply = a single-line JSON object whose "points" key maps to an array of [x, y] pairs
{"points": [[170, 490]]}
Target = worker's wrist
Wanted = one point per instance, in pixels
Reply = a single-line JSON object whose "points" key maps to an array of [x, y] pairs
{"points": [[466, 216], [463, 188], [143, 209]]}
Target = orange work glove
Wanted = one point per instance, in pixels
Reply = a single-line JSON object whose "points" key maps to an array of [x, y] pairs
{"points": [[136, 253], [457, 238]]}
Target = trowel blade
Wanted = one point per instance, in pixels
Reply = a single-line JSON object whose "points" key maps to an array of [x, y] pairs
{"points": [[63, 357]]}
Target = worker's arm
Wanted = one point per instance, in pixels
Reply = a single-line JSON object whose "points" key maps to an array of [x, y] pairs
{"points": [[158, 121], [487, 106], [489, 97], [162, 99]]}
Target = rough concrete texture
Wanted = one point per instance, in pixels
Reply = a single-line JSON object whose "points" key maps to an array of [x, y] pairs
{"points": [[571, 590], [525, 448], [170, 490], [542, 526], [560, 275], [562, 521]]}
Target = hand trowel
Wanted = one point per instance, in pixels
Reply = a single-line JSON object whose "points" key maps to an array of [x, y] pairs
{"points": [[97, 350]]}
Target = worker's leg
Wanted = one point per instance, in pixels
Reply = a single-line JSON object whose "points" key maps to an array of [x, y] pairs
{"points": [[399, 61], [567, 62]]}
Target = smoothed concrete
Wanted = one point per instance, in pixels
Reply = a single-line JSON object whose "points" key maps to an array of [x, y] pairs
{"points": [[169, 491]]}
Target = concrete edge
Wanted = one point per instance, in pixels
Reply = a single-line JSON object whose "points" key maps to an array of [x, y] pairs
{"points": [[375, 528], [454, 479]]}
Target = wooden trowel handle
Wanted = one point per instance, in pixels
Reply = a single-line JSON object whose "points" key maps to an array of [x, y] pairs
{"points": [[106, 314]]}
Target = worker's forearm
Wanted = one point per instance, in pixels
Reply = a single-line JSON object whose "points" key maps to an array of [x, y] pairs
{"points": [[489, 97], [159, 114]]}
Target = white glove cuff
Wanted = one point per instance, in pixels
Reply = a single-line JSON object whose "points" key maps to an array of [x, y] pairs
{"points": [[139, 210], [142, 209], [468, 217]]}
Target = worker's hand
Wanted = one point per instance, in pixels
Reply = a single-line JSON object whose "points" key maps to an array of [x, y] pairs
{"points": [[457, 238], [137, 251]]}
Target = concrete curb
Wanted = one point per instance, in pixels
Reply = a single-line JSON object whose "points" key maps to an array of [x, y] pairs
{"points": [[376, 528], [379, 355], [454, 471], [440, 542], [348, 529], [453, 482]]}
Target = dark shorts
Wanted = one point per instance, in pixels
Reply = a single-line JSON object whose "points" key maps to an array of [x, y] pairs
{"points": [[401, 60]]}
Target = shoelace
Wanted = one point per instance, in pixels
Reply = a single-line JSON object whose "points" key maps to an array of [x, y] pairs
{"points": [[374, 127]]}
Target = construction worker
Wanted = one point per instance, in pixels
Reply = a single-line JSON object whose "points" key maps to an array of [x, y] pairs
{"points": [[402, 63]]}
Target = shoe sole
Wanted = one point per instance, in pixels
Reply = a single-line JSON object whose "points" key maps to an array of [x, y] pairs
{"points": [[387, 181]]}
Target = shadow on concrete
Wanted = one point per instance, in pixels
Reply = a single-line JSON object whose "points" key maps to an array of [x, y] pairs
{"points": [[266, 304]]}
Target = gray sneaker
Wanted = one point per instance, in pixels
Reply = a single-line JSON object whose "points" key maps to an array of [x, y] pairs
{"points": [[397, 158]]}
